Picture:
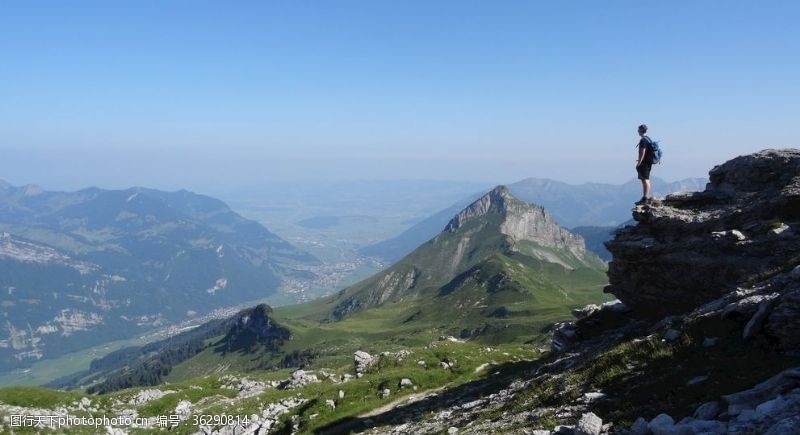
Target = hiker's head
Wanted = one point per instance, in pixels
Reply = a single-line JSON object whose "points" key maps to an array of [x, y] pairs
{"points": [[642, 130]]}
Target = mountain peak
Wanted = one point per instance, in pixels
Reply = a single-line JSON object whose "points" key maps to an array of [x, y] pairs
{"points": [[496, 201], [528, 227]]}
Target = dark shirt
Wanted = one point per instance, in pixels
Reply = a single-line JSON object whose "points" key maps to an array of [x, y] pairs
{"points": [[645, 143]]}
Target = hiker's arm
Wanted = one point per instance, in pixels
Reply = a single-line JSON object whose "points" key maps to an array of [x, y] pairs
{"points": [[641, 156]]}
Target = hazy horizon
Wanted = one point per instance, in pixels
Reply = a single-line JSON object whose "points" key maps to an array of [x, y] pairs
{"points": [[244, 190]]}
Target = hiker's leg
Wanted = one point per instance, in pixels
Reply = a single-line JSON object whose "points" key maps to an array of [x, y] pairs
{"points": [[646, 188]]}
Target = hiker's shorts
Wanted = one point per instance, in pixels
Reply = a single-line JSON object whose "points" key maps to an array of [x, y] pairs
{"points": [[644, 170]]}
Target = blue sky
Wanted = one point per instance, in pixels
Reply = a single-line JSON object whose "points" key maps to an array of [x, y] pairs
{"points": [[199, 94]]}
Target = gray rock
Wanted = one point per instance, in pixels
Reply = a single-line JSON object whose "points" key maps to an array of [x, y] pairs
{"points": [[787, 426], [701, 426], [331, 404], [747, 415], [298, 379], [146, 396], [405, 382], [783, 322], [779, 384], [754, 325], [782, 229], [734, 410], [385, 393], [707, 411], [640, 427], [795, 273], [592, 396], [615, 306], [710, 341], [362, 361], [697, 380], [660, 423], [772, 408], [183, 409], [731, 235], [564, 336], [589, 424], [672, 335], [452, 430], [582, 313]]}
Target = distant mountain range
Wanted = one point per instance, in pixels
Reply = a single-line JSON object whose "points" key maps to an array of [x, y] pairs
{"points": [[82, 268], [583, 205]]}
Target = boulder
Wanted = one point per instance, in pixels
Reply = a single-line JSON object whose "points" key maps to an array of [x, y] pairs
{"points": [[779, 384], [661, 423], [786, 426], [183, 409], [581, 313], [640, 427], [565, 335], [362, 361], [298, 379], [707, 411], [589, 424]]}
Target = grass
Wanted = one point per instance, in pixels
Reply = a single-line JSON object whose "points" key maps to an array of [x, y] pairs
{"points": [[530, 295], [37, 397], [361, 395]]}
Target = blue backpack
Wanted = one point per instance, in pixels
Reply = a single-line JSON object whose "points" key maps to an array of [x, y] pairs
{"points": [[655, 151]]}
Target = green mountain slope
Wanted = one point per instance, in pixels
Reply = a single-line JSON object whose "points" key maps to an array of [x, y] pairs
{"points": [[504, 299], [496, 223], [82, 268]]}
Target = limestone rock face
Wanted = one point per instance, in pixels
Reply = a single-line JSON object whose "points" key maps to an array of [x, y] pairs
{"points": [[694, 247], [521, 221]]}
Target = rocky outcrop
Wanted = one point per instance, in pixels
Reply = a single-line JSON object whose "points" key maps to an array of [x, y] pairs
{"points": [[298, 379], [362, 361], [256, 323], [692, 248]]}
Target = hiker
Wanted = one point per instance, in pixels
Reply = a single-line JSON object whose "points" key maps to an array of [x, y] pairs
{"points": [[644, 163]]}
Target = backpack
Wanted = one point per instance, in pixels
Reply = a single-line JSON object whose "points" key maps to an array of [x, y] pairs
{"points": [[655, 151]]}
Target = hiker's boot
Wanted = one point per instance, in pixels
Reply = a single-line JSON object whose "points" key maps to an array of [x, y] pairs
{"points": [[642, 201]]}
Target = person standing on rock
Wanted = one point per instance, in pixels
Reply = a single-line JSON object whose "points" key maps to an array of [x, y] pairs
{"points": [[644, 163]]}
